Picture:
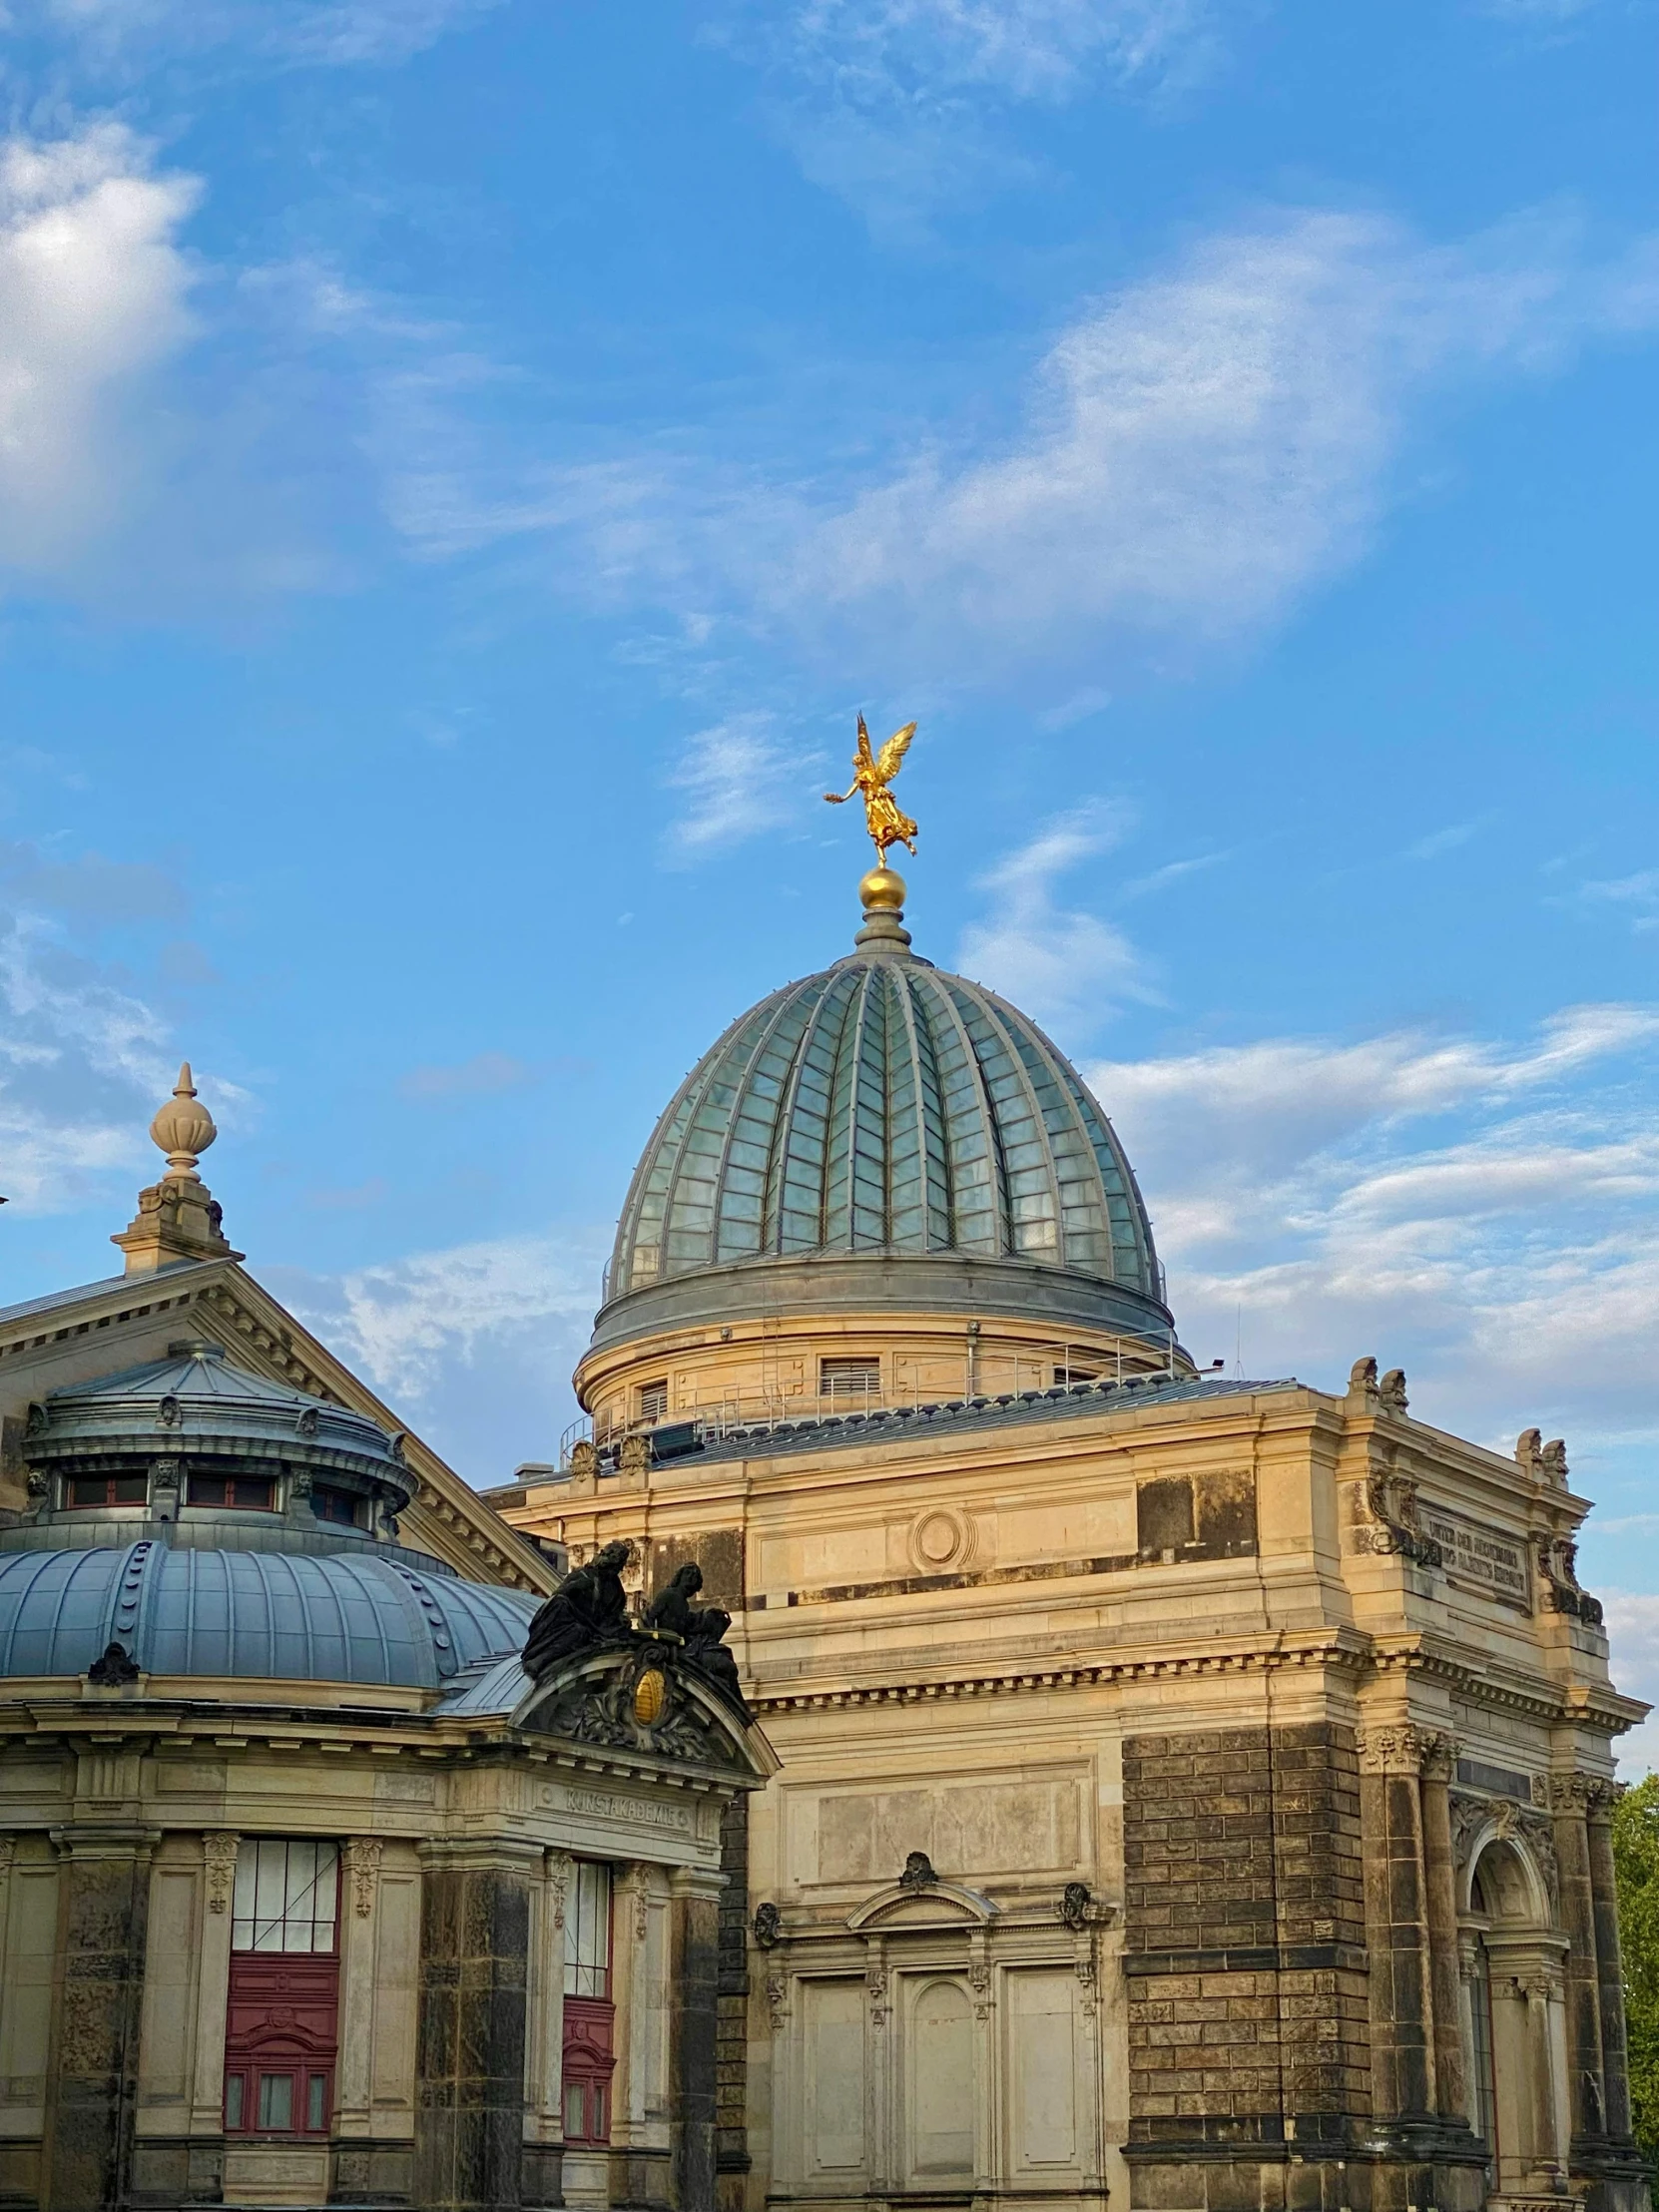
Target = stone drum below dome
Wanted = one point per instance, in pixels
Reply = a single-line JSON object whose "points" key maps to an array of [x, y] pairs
{"points": [[883, 1133]]}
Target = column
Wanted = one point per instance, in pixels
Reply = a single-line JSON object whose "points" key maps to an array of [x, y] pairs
{"points": [[1570, 1796], [1452, 2094], [1396, 1926], [1546, 2157], [1605, 1909], [642, 2158], [474, 1943], [693, 2011], [92, 2080], [544, 2050]]}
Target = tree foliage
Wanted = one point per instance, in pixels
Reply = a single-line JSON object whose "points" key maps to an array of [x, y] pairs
{"points": [[1636, 1859]]}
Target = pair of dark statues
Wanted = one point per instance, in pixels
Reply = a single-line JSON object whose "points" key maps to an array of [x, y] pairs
{"points": [[589, 1610]]}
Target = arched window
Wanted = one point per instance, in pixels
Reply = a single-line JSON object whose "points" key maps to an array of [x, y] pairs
{"points": [[281, 2030], [1513, 1957]]}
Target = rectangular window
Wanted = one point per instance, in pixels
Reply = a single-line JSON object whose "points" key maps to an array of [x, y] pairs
{"points": [[276, 2101], [106, 1489], [589, 2017], [282, 2021], [252, 1492], [342, 1506], [1067, 1373], [286, 1896], [850, 1380], [654, 1399], [588, 1930]]}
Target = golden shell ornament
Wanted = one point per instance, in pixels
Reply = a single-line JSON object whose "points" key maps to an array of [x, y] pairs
{"points": [[650, 1696]]}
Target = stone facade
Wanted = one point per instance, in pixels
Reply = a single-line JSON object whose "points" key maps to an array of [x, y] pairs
{"points": [[1259, 1741]]}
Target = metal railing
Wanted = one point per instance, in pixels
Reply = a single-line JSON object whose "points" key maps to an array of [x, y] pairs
{"points": [[985, 1373]]}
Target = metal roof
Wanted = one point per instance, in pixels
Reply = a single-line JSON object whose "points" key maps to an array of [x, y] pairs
{"points": [[342, 1617]]}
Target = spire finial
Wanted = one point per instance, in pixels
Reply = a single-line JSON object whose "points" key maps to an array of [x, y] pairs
{"points": [[182, 1129]]}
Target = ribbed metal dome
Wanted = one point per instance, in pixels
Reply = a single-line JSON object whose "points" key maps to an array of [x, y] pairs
{"points": [[885, 1108], [361, 1618]]}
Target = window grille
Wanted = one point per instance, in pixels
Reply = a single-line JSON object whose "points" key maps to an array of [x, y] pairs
{"points": [[856, 1379], [588, 1930], [287, 1896]]}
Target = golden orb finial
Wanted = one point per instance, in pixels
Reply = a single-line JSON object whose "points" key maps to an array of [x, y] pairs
{"points": [[882, 891]]}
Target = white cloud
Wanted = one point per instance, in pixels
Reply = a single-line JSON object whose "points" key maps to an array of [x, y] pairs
{"points": [[92, 288], [739, 780], [1059, 965], [332, 32], [1204, 445], [475, 1341], [1198, 450], [1487, 1213]]}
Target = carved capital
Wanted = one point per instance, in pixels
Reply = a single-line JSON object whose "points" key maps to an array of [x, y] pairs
{"points": [[363, 1864], [1401, 1747], [218, 1851]]}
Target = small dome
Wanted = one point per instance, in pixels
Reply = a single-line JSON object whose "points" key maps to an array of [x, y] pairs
{"points": [[886, 1109], [197, 1400], [359, 1617]]}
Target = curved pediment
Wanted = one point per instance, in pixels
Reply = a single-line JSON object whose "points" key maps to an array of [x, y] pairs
{"points": [[634, 1696], [940, 1905]]}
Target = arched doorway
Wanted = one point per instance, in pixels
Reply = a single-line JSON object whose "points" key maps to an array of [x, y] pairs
{"points": [[1514, 2018]]}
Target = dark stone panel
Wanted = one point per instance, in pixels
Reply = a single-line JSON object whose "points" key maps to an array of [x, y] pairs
{"points": [[718, 1551], [1163, 1515], [1245, 1951], [542, 2182], [92, 2076], [469, 2120], [178, 2169], [379, 2172], [639, 2181], [694, 1985]]}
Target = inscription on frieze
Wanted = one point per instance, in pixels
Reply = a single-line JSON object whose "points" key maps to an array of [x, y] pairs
{"points": [[606, 1805], [1483, 1558]]}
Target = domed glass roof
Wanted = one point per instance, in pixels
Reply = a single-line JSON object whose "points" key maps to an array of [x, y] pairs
{"points": [[885, 1108]]}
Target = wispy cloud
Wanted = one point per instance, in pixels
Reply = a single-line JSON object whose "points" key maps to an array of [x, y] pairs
{"points": [[1200, 448], [739, 778], [1062, 965], [1637, 895], [1442, 840], [114, 34], [483, 1076], [892, 104], [1486, 1210]]}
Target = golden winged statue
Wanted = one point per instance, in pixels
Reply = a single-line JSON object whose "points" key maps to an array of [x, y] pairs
{"points": [[885, 820]]}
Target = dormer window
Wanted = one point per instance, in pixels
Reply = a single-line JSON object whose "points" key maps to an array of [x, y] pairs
{"points": [[82, 1490], [256, 1493], [343, 1508]]}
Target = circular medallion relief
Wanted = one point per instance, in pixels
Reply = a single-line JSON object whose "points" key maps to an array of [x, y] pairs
{"points": [[940, 1539]]}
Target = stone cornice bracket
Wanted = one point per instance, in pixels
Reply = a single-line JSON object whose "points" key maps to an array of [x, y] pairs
{"points": [[219, 1854], [362, 1863], [1403, 1747]]}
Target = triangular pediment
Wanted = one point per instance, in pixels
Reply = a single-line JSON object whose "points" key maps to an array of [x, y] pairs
{"points": [[938, 1904], [103, 1327]]}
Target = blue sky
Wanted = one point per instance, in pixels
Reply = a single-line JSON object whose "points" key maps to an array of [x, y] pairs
{"points": [[462, 467]]}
